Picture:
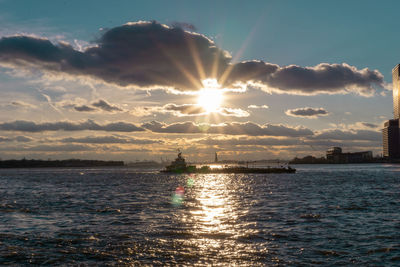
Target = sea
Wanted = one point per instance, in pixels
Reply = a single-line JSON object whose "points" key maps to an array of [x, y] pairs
{"points": [[322, 215]]}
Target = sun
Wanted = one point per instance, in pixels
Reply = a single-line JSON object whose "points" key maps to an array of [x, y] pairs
{"points": [[210, 97]]}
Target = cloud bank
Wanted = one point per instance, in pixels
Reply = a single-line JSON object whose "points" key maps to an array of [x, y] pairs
{"points": [[89, 125], [152, 55], [232, 128]]}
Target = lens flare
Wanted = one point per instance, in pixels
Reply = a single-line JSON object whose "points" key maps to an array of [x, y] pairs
{"points": [[177, 197]]}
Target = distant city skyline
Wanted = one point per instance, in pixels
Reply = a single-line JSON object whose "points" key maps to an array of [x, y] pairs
{"points": [[137, 80]]}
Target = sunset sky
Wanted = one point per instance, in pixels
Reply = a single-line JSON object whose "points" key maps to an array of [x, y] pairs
{"points": [[135, 80]]}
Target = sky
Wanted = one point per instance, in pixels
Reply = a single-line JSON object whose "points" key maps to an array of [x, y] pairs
{"points": [[136, 80]]}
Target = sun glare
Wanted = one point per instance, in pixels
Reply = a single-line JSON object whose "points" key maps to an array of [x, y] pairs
{"points": [[210, 97]]}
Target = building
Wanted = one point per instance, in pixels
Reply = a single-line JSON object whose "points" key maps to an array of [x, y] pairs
{"points": [[391, 132], [335, 155]]}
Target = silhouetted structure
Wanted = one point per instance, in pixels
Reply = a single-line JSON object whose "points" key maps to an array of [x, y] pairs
{"points": [[24, 163], [179, 166], [335, 155], [390, 132], [216, 157], [308, 160], [391, 139]]}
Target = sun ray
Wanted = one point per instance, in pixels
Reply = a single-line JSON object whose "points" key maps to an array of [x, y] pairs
{"points": [[196, 58], [246, 42]]}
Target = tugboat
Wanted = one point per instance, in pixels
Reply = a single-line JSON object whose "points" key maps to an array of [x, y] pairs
{"points": [[179, 165]]}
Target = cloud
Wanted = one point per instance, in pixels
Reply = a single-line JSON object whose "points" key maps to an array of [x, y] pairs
{"points": [[360, 125], [183, 25], [50, 148], [323, 78], [84, 108], [142, 54], [109, 140], [89, 125], [5, 139], [295, 143], [152, 55], [337, 134], [99, 105], [258, 107], [103, 105], [245, 141], [369, 125], [233, 128], [235, 112], [22, 104], [185, 110], [307, 112], [20, 138]]}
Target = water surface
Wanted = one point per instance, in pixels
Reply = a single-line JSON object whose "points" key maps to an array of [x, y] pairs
{"points": [[323, 214]]}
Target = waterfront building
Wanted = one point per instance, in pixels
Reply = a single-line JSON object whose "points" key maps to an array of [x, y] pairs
{"points": [[335, 155], [391, 133]]}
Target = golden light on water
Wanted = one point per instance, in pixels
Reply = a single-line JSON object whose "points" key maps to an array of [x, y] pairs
{"points": [[210, 214], [212, 206]]}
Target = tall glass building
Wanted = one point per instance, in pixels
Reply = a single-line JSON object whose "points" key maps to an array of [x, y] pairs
{"points": [[391, 131], [396, 88]]}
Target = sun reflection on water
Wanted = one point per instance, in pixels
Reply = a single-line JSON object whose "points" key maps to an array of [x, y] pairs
{"points": [[215, 207], [212, 221], [210, 215]]}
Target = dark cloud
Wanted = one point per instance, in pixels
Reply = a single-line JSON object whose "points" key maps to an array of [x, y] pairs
{"points": [[19, 138], [183, 25], [90, 125], [84, 108], [95, 106], [369, 125], [5, 139], [145, 54], [49, 148], [307, 112], [22, 138], [152, 55], [233, 128], [103, 105], [322, 78], [109, 140]]}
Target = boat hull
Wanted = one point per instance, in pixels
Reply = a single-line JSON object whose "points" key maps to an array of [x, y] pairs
{"points": [[232, 170]]}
